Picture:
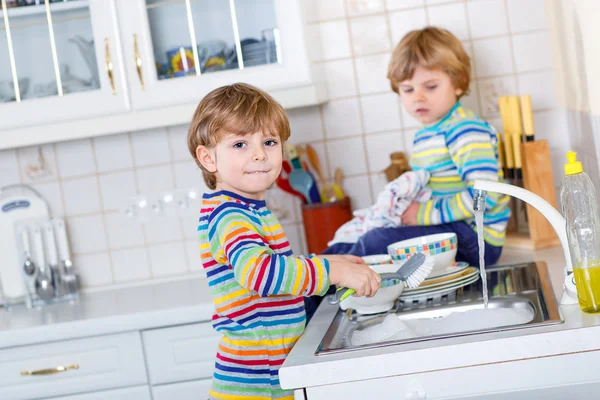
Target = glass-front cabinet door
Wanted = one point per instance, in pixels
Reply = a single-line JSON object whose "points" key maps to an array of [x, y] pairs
{"points": [[59, 60], [178, 50]]}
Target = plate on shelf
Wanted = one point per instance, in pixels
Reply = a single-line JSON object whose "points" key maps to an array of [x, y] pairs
{"points": [[452, 269]]}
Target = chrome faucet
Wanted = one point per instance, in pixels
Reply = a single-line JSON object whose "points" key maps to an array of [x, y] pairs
{"points": [[557, 221]]}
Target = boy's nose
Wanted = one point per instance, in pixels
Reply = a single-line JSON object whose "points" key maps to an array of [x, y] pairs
{"points": [[419, 97], [260, 155]]}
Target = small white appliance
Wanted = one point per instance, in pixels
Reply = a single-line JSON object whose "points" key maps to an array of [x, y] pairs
{"points": [[17, 203]]}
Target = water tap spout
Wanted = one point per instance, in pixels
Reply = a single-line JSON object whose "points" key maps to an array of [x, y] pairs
{"points": [[546, 209], [479, 200]]}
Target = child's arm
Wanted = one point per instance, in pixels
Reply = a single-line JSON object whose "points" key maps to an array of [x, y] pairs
{"points": [[236, 237], [472, 149]]}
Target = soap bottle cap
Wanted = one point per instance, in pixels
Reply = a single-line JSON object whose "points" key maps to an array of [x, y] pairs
{"points": [[573, 167]]}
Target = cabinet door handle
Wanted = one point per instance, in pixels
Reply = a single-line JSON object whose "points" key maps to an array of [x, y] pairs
{"points": [[109, 66], [50, 371], [138, 60]]}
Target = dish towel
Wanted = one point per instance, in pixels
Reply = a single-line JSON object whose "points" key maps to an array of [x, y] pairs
{"points": [[387, 210]]}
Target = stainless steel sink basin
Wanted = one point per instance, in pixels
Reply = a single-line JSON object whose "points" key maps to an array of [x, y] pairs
{"points": [[524, 287]]}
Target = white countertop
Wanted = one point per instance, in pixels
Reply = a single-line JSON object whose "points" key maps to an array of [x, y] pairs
{"points": [[121, 310], [304, 369]]}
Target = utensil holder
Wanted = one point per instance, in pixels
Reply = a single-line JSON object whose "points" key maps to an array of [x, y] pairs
{"points": [[322, 220]]}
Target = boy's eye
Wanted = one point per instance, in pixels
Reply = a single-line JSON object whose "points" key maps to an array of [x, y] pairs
{"points": [[270, 142], [407, 90], [239, 145], [431, 87]]}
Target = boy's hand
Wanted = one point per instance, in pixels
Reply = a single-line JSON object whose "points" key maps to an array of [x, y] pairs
{"points": [[409, 218], [343, 258], [359, 277]]}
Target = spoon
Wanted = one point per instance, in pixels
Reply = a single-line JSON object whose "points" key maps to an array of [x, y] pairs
{"points": [[43, 283], [28, 265]]}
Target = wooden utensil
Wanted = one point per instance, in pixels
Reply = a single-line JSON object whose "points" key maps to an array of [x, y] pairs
{"points": [[527, 114], [313, 157], [517, 132]]}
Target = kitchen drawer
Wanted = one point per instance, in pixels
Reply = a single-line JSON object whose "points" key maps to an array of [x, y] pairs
{"points": [[134, 393], [193, 390], [105, 362], [180, 353]]}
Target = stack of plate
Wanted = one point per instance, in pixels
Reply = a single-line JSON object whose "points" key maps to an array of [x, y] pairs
{"points": [[442, 283], [259, 53]]}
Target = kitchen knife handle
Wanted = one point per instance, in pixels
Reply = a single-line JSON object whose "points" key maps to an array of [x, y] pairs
{"points": [[527, 113], [500, 150], [515, 115], [504, 107]]}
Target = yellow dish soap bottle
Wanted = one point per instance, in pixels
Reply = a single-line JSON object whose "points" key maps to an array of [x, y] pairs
{"points": [[580, 209]]}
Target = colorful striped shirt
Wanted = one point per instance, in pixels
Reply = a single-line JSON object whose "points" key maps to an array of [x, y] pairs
{"points": [[257, 287], [456, 151]]}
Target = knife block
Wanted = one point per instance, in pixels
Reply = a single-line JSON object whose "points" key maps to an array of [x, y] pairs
{"points": [[537, 178], [321, 221]]}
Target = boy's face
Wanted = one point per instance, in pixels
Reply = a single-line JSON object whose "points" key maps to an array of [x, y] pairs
{"points": [[428, 95], [247, 165]]}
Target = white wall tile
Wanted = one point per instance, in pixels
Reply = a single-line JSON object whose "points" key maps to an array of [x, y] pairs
{"points": [[364, 7], [167, 259], [532, 51], [51, 192], [491, 89], [496, 123], [163, 229], [551, 125], [9, 166], [405, 21], [452, 17], [155, 179], [94, 269], [75, 158], [113, 152], [189, 226], [378, 182], [130, 265], [178, 142], [370, 35], [319, 10], [115, 188], [379, 148], [342, 118], [541, 87], [381, 112], [81, 196], [487, 18], [193, 255], [434, 2], [37, 163], [359, 190], [371, 72], [189, 175], [86, 234], [526, 15], [305, 124], [347, 154], [335, 40], [401, 4], [123, 231], [493, 57], [471, 101], [150, 147], [313, 36]]}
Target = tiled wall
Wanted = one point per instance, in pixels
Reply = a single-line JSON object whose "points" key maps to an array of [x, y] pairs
{"points": [[356, 130]]}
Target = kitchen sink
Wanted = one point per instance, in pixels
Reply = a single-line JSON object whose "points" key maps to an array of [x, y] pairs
{"points": [[520, 297]]}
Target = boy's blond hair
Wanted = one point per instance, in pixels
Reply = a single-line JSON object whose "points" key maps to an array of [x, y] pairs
{"points": [[431, 48], [240, 109]]}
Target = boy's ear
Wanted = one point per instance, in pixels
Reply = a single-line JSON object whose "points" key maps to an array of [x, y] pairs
{"points": [[206, 158], [458, 92]]}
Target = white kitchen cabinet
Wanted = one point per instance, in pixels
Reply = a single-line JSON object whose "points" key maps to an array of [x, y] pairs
{"points": [[180, 353], [134, 393], [72, 366], [260, 42], [65, 70], [193, 390], [569, 376]]}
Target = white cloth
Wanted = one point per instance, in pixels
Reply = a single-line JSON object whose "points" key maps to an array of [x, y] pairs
{"points": [[389, 207]]}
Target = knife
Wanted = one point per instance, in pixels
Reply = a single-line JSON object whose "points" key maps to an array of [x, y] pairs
{"points": [[507, 136], [517, 132], [527, 114]]}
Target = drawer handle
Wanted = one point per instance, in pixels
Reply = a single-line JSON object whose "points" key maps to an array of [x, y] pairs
{"points": [[50, 371], [109, 65], [138, 60]]}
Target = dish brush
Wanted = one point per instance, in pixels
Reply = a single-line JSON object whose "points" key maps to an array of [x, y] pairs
{"points": [[413, 272]]}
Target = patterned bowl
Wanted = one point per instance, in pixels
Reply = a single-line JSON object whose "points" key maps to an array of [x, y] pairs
{"points": [[441, 247]]}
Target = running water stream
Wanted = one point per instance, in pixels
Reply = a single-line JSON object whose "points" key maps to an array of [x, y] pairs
{"points": [[481, 242]]}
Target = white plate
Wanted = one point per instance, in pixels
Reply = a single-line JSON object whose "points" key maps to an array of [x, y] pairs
{"points": [[442, 285], [452, 269], [439, 292]]}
